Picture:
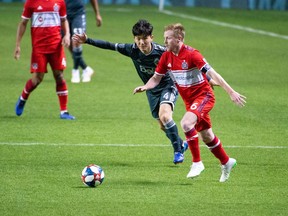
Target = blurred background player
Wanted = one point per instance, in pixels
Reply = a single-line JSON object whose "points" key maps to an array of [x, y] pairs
{"points": [[76, 16], [145, 55], [189, 68], [48, 18]]}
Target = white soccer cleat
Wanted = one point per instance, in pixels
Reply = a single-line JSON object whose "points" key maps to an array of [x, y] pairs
{"points": [[75, 76], [226, 169], [87, 74], [196, 169]]}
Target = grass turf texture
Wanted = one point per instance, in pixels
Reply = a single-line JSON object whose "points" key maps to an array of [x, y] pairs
{"points": [[44, 179]]}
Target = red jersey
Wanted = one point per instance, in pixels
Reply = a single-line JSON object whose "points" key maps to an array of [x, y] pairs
{"points": [[45, 23], [187, 71]]}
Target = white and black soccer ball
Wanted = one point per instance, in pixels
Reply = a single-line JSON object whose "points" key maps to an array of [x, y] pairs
{"points": [[92, 175]]}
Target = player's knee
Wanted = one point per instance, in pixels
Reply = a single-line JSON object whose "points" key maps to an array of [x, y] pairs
{"points": [[186, 125], [36, 80], [165, 117], [58, 75], [207, 136]]}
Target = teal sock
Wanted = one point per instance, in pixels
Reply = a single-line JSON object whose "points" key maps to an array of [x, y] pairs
{"points": [[171, 131]]}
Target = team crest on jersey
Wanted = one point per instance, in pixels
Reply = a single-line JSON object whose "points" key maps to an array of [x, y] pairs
{"points": [[184, 65], [34, 66], [56, 7], [156, 61]]}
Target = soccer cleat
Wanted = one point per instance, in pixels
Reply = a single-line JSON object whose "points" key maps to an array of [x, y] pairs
{"points": [[75, 76], [19, 108], [226, 169], [67, 116], [178, 157], [196, 169], [184, 146], [87, 74]]}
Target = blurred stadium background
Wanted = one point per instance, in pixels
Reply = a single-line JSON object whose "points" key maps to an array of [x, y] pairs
{"points": [[239, 4]]}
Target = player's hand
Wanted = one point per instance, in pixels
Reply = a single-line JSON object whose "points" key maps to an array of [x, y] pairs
{"points": [[98, 20], [139, 89], [17, 53], [79, 38], [66, 41], [238, 99]]}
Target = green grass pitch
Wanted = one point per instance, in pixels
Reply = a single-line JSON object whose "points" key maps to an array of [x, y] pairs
{"points": [[41, 156]]}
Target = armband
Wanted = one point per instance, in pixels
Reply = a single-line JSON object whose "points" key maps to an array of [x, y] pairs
{"points": [[205, 68]]}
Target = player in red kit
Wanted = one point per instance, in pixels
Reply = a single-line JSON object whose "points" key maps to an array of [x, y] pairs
{"points": [[188, 69], [48, 18]]}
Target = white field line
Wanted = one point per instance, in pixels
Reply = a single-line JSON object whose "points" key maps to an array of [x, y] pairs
{"points": [[123, 145], [214, 22], [228, 25]]}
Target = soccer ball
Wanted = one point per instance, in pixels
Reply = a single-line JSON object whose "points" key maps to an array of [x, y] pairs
{"points": [[92, 175]]}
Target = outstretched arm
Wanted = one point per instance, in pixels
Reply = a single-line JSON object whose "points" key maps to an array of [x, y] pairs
{"points": [[83, 38], [237, 98], [152, 83]]}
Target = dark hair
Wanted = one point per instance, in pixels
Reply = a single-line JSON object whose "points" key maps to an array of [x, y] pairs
{"points": [[142, 27]]}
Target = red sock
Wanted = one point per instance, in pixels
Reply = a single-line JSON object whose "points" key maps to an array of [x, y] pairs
{"points": [[62, 92], [216, 148], [193, 143], [29, 87]]}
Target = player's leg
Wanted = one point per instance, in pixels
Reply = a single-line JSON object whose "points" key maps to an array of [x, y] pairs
{"points": [[167, 102], [75, 28], [171, 130], [78, 27], [188, 123], [215, 146], [38, 68], [58, 64]]}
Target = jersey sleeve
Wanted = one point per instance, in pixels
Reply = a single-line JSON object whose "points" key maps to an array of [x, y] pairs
{"points": [[124, 49], [200, 61], [162, 68], [63, 10], [101, 44], [27, 11]]}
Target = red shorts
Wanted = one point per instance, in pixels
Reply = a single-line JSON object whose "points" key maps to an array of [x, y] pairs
{"points": [[201, 107], [39, 61]]}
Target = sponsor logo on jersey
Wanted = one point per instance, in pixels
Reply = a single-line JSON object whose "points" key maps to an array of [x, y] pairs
{"points": [[40, 19], [186, 78], [39, 7], [45, 19], [169, 65]]}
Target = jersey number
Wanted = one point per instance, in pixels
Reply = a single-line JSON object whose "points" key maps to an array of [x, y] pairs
{"points": [[169, 97], [194, 106]]}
